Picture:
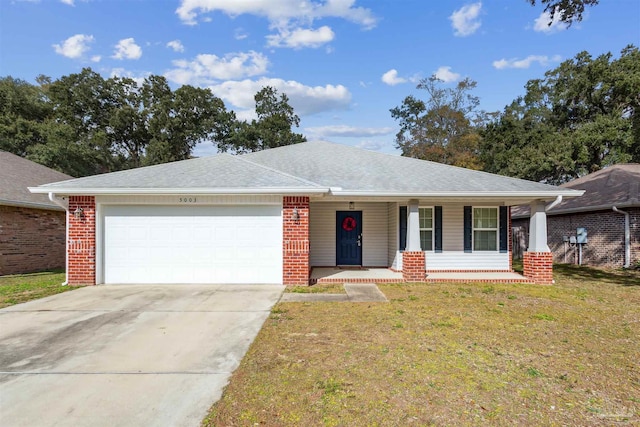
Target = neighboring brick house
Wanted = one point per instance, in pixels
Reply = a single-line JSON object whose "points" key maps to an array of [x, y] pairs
{"points": [[275, 215], [607, 246], [32, 228]]}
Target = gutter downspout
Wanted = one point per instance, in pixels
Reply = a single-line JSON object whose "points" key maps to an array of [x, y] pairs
{"points": [[627, 237], [65, 205], [553, 204]]}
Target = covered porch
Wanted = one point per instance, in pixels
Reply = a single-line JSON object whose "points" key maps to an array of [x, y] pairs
{"points": [[411, 240]]}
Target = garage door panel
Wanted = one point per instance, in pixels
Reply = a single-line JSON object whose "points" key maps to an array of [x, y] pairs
{"points": [[204, 244]]}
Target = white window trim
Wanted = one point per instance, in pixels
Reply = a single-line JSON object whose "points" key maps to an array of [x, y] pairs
{"points": [[474, 229], [432, 229]]}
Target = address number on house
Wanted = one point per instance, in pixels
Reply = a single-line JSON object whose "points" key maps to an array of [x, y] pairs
{"points": [[188, 199]]}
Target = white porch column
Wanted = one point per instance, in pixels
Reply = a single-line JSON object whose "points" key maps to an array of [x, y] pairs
{"points": [[413, 227], [538, 228]]}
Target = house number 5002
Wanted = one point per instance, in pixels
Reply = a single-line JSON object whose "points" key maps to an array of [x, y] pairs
{"points": [[187, 199]]}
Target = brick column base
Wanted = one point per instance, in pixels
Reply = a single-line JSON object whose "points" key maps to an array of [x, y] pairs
{"points": [[81, 247], [413, 266], [295, 240], [538, 266]]}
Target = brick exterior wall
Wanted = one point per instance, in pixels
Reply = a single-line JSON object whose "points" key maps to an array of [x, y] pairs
{"points": [[31, 240], [413, 266], [538, 266], [82, 241], [295, 241], [605, 233]]}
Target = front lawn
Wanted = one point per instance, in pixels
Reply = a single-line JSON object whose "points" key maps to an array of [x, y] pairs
{"points": [[449, 354], [19, 288]]}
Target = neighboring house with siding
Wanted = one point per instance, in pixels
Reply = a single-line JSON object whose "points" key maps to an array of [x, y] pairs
{"points": [[275, 215], [611, 242], [32, 227]]}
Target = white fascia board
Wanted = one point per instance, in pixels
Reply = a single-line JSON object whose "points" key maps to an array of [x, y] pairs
{"points": [[197, 191], [528, 195]]}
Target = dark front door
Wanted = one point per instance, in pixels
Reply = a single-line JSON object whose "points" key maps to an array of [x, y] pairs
{"points": [[349, 238]]}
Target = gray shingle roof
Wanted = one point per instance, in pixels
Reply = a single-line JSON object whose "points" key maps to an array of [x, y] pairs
{"points": [[311, 166], [17, 173], [216, 172], [617, 185], [354, 169]]}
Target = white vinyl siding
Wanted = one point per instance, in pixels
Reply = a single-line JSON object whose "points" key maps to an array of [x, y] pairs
{"points": [[460, 260], [453, 227], [322, 233], [393, 236]]}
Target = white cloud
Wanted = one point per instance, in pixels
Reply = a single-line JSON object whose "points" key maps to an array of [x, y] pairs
{"points": [[96, 58], [137, 77], [127, 49], [446, 75], [370, 145], [74, 46], [465, 20], [176, 45], [300, 37], [280, 13], [526, 62], [304, 99], [348, 131], [544, 24], [69, 2], [207, 68], [240, 34], [391, 78]]}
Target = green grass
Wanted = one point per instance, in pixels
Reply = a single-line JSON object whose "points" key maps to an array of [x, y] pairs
{"points": [[20, 288], [449, 354]]}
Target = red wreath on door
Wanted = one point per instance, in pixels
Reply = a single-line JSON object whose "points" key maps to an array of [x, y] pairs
{"points": [[349, 223]]}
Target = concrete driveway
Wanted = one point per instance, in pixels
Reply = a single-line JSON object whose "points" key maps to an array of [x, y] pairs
{"points": [[126, 355]]}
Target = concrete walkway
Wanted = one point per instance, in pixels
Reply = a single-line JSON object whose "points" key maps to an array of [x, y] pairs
{"points": [[356, 292], [126, 355]]}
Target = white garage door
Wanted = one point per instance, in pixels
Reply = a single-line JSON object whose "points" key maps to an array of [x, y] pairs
{"points": [[196, 244]]}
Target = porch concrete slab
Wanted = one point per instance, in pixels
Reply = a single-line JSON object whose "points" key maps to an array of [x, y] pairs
{"points": [[355, 273], [364, 292], [476, 276]]}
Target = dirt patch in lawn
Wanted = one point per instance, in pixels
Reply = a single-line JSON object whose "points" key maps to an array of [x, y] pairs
{"points": [[20, 288], [318, 288], [448, 354]]}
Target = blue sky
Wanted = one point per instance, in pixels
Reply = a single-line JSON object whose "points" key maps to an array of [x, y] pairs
{"points": [[343, 63]]}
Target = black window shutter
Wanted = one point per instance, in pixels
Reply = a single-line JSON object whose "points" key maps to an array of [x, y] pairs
{"points": [[468, 230], [403, 227], [504, 243], [438, 229]]}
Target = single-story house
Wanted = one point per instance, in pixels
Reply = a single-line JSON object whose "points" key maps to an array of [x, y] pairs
{"points": [[32, 227], [274, 215], [609, 213]]}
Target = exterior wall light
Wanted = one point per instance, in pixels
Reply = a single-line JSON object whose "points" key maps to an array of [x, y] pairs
{"points": [[352, 206], [296, 215], [78, 213]]}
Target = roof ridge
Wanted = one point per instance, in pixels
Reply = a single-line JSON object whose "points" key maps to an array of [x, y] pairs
{"points": [[315, 184]]}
